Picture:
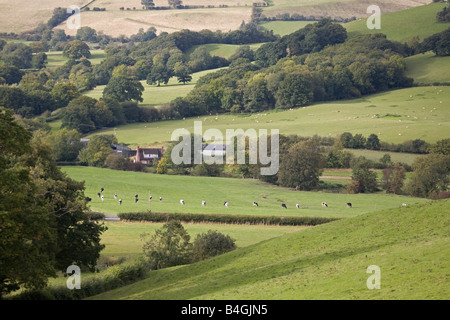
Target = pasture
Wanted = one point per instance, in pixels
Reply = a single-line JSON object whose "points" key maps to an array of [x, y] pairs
{"points": [[403, 25], [240, 194], [122, 239], [395, 116], [154, 95], [409, 245], [57, 59], [428, 68]]}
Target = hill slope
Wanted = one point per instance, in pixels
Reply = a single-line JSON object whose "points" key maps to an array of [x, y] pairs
{"points": [[410, 246], [403, 25]]}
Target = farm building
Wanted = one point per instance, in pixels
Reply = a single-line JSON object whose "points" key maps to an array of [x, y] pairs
{"points": [[213, 150], [148, 155], [122, 150]]}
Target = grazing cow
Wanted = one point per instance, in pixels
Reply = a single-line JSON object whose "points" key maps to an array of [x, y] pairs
{"points": [[203, 203], [283, 205], [255, 203], [349, 204], [324, 204], [120, 201], [297, 205], [182, 202]]}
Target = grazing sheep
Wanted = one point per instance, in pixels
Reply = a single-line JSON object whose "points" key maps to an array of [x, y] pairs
{"points": [[403, 204], [120, 201], [182, 202], [160, 198], [225, 204], [255, 203], [203, 203], [297, 205], [324, 204], [283, 205], [349, 204]]}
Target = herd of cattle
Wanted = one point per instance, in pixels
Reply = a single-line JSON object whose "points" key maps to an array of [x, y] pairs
{"points": [[255, 204]]}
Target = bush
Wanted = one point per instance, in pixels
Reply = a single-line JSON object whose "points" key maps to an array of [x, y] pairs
{"points": [[210, 244]]}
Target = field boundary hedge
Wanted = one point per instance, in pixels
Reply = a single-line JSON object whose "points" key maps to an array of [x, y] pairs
{"points": [[224, 218]]}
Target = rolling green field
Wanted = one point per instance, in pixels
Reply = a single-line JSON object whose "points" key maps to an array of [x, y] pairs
{"points": [[122, 239], [56, 59], [283, 28], [427, 68], [240, 194], [409, 245], [154, 95], [395, 116], [403, 25], [222, 50]]}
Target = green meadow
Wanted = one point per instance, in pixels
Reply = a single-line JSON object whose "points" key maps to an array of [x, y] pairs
{"points": [[428, 68], [240, 194], [395, 116], [409, 245], [405, 24], [123, 239], [57, 59], [283, 28], [154, 95]]}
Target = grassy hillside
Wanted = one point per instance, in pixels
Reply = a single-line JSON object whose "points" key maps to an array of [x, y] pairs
{"points": [[154, 95], [409, 245], [403, 25], [122, 239], [395, 116], [240, 194], [427, 68]]}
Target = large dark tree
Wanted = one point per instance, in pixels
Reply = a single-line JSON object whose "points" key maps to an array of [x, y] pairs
{"points": [[44, 227]]}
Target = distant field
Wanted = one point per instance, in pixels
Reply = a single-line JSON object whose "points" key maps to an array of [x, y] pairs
{"points": [[403, 25], [223, 50], [283, 28], [115, 22], [374, 155], [240, 194], [337, 8], [428, 68], [395, 116], [56, 59], [154, 95], [23, 15]]}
